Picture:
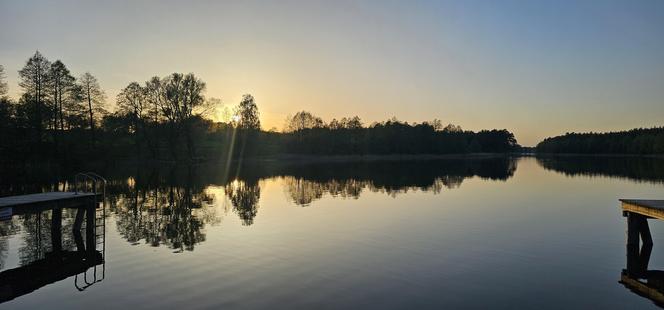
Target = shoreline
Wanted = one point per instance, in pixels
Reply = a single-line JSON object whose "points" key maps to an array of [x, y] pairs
{"points": [[368, 158], [597, 155], [308, 159]]}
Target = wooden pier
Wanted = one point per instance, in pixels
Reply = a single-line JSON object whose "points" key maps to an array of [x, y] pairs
{"points": [[59, 263], [23, 204], [649, 208], [636, 276]]}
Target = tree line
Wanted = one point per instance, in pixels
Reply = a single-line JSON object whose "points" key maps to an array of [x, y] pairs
{"points": [[309, 134], [642, 141], [52, 103], [62, 117]]}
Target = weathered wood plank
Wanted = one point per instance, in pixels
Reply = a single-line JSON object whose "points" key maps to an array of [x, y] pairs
{"points": [[14, 201], [651, 208]]}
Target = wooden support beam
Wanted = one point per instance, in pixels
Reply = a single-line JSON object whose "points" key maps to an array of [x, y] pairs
{"points": [[56, 230]]}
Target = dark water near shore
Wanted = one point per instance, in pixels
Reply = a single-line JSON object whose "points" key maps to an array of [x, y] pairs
{"points": [[455, 233]]}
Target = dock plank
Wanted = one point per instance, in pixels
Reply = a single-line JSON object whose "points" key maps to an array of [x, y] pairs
{"points": [[648, 207], [21, 200]]}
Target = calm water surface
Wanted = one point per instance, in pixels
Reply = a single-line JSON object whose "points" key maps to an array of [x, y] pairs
{"points": [[483, 233]]}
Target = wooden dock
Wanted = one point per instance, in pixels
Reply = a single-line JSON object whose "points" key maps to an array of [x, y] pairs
{"points": [[59, 263], [649, 208], [636, 276], [24, 204]]}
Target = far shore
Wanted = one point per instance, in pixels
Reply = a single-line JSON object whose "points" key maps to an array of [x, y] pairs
{"points": [[597, 155], [307, 159], [361, 158]]}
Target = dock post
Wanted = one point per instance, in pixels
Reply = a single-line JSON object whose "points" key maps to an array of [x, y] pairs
{"points": [[637, 226], [76, 230], [644, 231], [90, 227], [56, 230], [637, 256], [633, 230]]}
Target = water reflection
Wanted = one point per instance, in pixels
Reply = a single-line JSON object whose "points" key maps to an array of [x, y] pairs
{"points": [[304, 186], [244, 197], [395, 260], [171, 206], [646, 169], [170, 211], [53, 247]]}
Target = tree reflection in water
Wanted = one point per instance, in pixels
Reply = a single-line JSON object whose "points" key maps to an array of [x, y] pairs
{"points": [[172, 213], [642, 169], [172, 206], [244, 197], [35, 231], [349, 181]]}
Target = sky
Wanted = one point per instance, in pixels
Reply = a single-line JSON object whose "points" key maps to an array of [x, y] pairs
{"points": [[537, 68]]}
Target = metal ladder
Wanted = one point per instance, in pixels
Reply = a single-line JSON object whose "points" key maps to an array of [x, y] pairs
{"points": [[99, 229]]}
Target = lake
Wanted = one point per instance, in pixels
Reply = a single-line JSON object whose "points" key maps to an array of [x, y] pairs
{"points": [[495, 232]]}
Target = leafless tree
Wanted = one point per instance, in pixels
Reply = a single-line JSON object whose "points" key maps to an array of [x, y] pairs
{"points": [[32, 79], [95, 98]]}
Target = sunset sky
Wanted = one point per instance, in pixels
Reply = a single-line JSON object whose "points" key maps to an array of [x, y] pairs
{"points": [[537, 68]]}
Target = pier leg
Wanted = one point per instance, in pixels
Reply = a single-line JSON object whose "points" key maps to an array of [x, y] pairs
{"points": [[637, 226], [56, 230], [76, 230], [644, 257], [633, 230], [638, 257], [644, 231], [90, 228]]}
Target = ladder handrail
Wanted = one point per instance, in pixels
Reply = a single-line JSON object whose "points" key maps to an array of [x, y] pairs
{"points": [[84, 175], [94, 177]]}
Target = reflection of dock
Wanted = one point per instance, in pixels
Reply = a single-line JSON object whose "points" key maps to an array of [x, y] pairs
{"points": [[636, 277], [55, 267], [58, 264]]}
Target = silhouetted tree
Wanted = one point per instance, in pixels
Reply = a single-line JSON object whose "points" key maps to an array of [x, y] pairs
{"points": [[131, 102], [95, 98], [183, 95], [154, 95], [33, 79], [61, 84], [165, 110], [247, 113], [303, 120], [452, 128]]}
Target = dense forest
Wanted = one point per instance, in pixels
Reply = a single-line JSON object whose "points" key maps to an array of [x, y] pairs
{"points": [[649, 169], [636, 141], [64, 118]]}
